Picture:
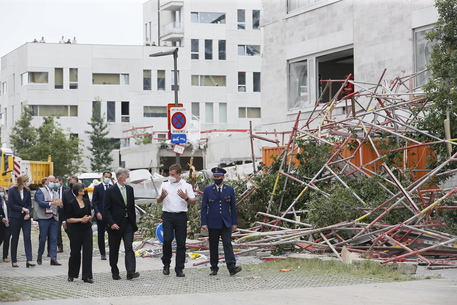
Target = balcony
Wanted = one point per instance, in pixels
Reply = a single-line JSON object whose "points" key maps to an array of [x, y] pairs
{"points": [[171, 5], [172, 31]]}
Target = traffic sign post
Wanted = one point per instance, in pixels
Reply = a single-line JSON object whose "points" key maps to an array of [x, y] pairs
{"points": [[178, 120]]}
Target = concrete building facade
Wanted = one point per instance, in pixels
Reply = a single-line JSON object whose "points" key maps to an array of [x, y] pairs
{"points": [[309, 41], [219, 83]]}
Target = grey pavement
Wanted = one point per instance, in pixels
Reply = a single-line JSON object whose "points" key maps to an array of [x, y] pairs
{"points": [[48, 285]]}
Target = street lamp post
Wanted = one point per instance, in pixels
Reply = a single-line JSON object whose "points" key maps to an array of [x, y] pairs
{"points": [[175, 73]]}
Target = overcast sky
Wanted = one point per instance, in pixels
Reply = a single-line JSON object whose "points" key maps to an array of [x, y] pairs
{"points": [[91, 21]]}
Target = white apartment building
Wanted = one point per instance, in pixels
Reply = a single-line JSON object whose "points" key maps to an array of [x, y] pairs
{"points": [[306, 41], [219, 84]]}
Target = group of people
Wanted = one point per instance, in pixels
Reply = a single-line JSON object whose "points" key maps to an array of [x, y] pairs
{"points": [[57, 206], [62, 40]]}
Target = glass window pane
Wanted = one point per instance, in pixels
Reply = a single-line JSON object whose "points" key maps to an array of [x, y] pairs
{"points": [[242, 112], [196, 110], [73, 110], [195, 80], [194, 17], [58, 81], [241, 78], [46, 110], [241, 50], [252, 50], [241, 16], [146, 79], [73, 78], [422, 51], [221, 49], [298, 85], [111, 111], [253, 112], [96, 109], [105, 79], [194, 45], [223, 113], [38, 77], [155, 112], [208, 49], [125, 79], [255, 19], [216, 18], [209, 115], [160, 79], [125, 109], [256, 81]]}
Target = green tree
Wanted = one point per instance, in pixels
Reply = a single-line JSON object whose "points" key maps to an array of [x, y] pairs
{"points": [[100, 147], [23, 136], [63, 148], [441, 88]]}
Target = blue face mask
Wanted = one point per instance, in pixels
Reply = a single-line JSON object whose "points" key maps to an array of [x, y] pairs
{"points": [[106, 180], [51, 185], [27, 184], [2, 194], [57, 185]]}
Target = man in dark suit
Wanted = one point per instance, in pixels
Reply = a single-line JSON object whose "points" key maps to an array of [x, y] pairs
{"points": [[97, 202], [60, 189], [218, 216], [119, 213]]}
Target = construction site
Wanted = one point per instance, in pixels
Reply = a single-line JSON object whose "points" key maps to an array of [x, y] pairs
{"points": [[369, 164]]}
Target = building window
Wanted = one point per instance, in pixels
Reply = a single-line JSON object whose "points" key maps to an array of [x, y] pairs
{"points": [[57, 110], [115, 142], [249, 112], [161, 80], [208, 49], [146, 79], [298, 85], [256, 82], [195, 108], [422, 51], [241, 81], [73, 78], [125, 112], [58, 78], [109, 79], [5, 87], [221, 49], [34, 78], [111, 111], [173, 80], [125, 79], [96, 109], [214, 18], [154, 112], [241, 20], [209, 113], [248, 50], [223, 113], [194, 49], [209, 80], [255, 19]]}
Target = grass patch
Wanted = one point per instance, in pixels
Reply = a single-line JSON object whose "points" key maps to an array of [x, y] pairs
{"points": [[9, 297], [365, 268]]}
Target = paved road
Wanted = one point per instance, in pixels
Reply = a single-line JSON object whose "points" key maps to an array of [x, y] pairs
{"points": [[47, 285]]}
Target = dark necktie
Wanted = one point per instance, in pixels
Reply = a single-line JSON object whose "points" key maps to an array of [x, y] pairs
{"points": [[219, 190]]}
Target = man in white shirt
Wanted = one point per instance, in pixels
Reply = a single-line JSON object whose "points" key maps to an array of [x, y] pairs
{"points": [[175, 194]]}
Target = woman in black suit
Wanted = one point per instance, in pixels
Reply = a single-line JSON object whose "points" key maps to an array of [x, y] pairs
{"points": [[78, 213], [19, 207]]}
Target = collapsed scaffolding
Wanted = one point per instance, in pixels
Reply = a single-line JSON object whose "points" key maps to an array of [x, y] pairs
{"points": [[386, 109]]}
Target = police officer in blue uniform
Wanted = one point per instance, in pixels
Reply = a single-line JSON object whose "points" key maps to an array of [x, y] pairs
{"points": [[218, 217]]}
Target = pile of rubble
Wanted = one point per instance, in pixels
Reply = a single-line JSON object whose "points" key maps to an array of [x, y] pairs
{"points": [[386, 109]]}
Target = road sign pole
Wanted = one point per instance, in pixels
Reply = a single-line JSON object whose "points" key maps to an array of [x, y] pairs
{"points": [[175, 63]]}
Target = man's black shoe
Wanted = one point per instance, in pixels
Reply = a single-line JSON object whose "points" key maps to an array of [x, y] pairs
{"points": [[116, 277], [90, 281], [70, 279], [103, 257], [213, 272], [235, 270], [39, 259], [54, 262], [166, 270], [179, 273], [133, 275]]}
